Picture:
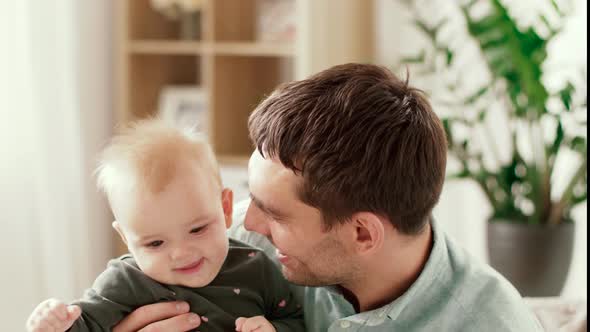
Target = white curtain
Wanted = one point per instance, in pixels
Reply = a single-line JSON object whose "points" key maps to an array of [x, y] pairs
{"points": [[55, 103]]}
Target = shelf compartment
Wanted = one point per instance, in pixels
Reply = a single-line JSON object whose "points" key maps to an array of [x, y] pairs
{"points": [[148, 74], [234, 97], [253, 20], [234, 20], [144, 22]]}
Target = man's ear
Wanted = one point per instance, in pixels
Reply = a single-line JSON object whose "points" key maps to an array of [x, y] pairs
{"points": [[117, 227], [368, 232], [227, 201]]}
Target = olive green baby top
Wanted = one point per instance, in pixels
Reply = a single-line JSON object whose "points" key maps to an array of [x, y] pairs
{"points": [[249, 284]]}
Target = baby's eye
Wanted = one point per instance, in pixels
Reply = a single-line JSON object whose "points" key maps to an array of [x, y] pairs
{"points": [[155, 244], [197, 230]]}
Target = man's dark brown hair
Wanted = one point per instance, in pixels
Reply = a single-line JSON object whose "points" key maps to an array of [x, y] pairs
{"points": [[362, 139]]}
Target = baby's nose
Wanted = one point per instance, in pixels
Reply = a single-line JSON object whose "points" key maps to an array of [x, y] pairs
{"points": [[180, 253]]}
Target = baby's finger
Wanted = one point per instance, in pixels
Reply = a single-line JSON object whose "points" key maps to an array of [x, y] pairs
{"points": [[54, 321], [73, 312], [252, 323], [31, 321], [43, 317], [239, 322], [59, 309], [56, 314], [35, 324]]}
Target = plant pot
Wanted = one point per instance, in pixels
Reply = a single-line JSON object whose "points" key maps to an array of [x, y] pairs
{"points": [[535, 259]]}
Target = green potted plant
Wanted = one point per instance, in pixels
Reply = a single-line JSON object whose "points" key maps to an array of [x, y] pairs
{"points": [[530, 231]]}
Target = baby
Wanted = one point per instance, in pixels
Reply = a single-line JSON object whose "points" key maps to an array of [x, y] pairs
{"points": [[170, 209]]}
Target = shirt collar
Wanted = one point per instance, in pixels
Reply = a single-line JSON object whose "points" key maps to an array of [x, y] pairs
{"points": [[429, 273], [417, 290]]}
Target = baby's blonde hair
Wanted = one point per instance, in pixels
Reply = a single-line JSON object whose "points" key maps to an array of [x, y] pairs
{"points": [[146, 154]]}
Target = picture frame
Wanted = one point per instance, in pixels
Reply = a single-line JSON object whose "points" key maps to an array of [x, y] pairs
{"points": [[276, 21], [186, 106]]}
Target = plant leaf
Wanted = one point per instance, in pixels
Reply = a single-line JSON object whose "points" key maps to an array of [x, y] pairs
{"points": [[566, 95], [559, 135], [475, 96]]}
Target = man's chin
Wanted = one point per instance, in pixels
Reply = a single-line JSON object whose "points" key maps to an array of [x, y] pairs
{"points": [[301, 280]]}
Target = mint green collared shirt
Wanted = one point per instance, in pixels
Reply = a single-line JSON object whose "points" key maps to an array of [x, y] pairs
{"points": [[454, 292]]}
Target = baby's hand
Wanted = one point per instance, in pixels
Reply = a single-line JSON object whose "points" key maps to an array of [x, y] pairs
{"points": [[254, 324], [53, 316]]}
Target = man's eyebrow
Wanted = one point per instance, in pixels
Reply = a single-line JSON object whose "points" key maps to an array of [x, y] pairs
{"points": [[266, 209]]}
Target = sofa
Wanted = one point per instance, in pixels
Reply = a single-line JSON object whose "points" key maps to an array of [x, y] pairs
{"points": [[558, 314]]}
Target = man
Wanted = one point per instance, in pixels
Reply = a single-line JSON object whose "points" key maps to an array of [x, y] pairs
{"points": [[348, 167]]}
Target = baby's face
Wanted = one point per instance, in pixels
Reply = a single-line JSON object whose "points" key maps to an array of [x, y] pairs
{"points": [[178, 236]]}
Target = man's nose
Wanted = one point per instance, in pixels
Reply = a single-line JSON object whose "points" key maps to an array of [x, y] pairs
{"points": [[255, 221]]}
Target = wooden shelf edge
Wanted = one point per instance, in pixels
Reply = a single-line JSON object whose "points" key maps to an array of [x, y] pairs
{"points": [[253, 49], [167, 47]]}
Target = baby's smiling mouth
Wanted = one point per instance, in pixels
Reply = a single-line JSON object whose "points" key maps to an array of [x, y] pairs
{"points": [[191, 267]]}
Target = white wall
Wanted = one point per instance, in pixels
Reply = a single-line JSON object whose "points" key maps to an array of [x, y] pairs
{"points": [[463, 209], [55, 105]]}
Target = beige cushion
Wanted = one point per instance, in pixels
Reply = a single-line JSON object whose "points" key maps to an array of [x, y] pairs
{"points": [[559, 314]]}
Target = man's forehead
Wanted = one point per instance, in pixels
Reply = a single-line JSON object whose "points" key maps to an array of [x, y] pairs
{"points": [[270, 168], [269, 180]]}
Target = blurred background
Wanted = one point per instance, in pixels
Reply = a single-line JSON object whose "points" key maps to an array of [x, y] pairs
{"points": [[508, 78]]}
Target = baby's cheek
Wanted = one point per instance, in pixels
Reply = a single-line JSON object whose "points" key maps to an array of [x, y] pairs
{"points": [[222, 248], [151, 265]]}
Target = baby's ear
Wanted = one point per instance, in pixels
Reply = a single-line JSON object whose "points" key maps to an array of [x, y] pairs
{"points": [[117, 227], [227, 202]]}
